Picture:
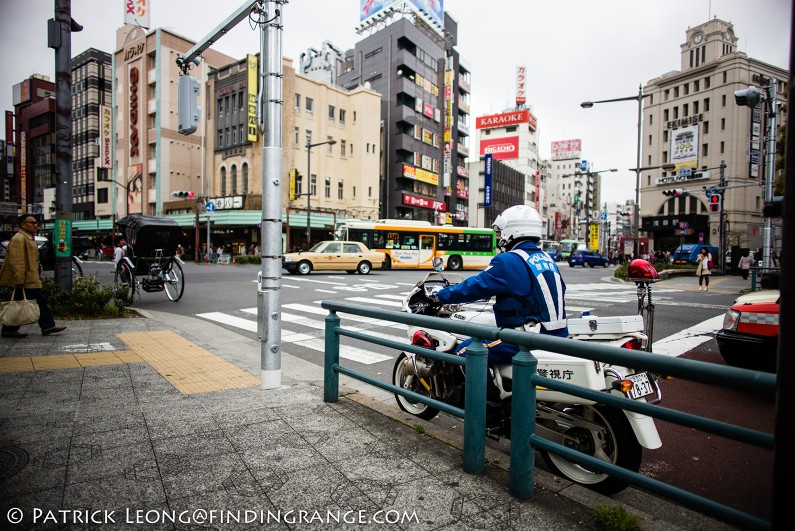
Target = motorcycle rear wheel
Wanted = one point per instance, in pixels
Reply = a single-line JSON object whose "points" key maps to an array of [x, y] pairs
{"points": [[401, 378], [620, 447]]}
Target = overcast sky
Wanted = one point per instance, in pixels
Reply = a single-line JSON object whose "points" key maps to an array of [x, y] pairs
{"points": [[575, 50]]}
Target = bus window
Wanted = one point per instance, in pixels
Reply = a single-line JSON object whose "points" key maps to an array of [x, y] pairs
{"points": [[408, 241]]}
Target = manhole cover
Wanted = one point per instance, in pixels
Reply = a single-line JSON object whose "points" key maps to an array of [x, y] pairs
{"points": [[12, 460]]}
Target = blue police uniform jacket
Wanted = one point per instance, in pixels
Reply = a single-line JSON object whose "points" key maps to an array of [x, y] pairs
{"points": [[527, 285]]}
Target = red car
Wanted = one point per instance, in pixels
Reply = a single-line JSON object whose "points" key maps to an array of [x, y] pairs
{"points": [[749, 338]]}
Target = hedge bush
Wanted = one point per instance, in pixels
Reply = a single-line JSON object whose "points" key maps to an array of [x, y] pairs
{"points": [[248, 259], [87, 299]]}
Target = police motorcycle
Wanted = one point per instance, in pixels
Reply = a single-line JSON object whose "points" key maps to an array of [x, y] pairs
{"points": [[613, 435]]}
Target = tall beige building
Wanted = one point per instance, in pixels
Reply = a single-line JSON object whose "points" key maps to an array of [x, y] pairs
{"points": [[690, 118], [221, 163], [343, 177], [151, 158]]}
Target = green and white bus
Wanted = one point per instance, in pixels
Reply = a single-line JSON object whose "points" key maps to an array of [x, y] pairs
{"points": [[569, 246], [414, 244]]}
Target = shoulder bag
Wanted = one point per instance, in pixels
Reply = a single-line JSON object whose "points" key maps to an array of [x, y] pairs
{"points": [[22, 312]]}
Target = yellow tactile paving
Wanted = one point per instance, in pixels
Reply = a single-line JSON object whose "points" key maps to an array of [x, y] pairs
{"points": [[68, 361], [128, 356], [45, 363], [187, 366], [16, 365], [93, 359]]}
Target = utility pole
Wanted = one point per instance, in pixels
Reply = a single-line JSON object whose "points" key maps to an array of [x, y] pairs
{"points": [[270, 104], [721, 222], [59, 37], [770, 166]]}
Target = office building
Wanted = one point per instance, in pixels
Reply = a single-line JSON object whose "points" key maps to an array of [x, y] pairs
{"points": [[408, 55]]}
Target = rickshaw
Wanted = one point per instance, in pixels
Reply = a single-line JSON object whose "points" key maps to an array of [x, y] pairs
{"points": [[150, 263]]}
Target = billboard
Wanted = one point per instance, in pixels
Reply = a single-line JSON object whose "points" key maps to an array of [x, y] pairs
{"points": [[521, 76], [566, 149], [423, 202], [134, 189], [251, 81], [684, 147], [136, 12], [432, 10], [105, 119], [507, 119], [487, 181], [501, 148]]}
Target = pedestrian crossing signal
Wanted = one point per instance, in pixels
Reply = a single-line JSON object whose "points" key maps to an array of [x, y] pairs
{"points": [[714, 203]]}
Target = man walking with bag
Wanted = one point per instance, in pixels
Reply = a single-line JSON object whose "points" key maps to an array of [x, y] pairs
{"points": [[21, 271]]}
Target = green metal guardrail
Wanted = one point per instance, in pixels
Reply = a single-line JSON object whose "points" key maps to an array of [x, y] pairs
{"points": [[758, 271], [524, 441]]}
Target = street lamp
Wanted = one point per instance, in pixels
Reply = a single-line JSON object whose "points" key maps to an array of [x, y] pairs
{"points": [[639, 99], [308, 194], [126, 192]]}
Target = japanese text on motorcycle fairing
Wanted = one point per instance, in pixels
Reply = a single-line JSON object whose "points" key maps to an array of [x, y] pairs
{"points": [[556, 374]]}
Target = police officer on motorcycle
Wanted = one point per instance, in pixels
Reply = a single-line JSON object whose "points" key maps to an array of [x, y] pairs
{"points": [[525, 280]]}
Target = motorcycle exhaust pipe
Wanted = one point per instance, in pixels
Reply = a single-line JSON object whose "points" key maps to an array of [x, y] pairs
{"points": [[415, 367]]}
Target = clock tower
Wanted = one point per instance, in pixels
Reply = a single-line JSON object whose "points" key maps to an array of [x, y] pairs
{"points": [[708, 42]]}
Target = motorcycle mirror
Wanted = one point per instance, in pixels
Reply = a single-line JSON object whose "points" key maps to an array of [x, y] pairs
{"points": [[437, 263]]}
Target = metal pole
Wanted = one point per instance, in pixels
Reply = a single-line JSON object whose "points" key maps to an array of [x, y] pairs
{"points": [[721, 231], [61, 41], [636, 221], [271, 102], [308, 194], [770, 167]]}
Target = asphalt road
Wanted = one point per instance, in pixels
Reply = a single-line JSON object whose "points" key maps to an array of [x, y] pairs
{"points": [[719, 469]]}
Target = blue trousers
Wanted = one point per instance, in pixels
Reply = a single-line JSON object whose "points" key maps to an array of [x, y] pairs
{"points": [[46, 319]]}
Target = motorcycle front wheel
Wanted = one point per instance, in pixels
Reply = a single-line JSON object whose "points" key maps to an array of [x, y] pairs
{"points": [[615, 444], [401, 378]]}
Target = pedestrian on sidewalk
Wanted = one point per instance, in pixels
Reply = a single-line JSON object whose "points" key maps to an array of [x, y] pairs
{"points": [[21, 272], [745, 264], [702, 269]]}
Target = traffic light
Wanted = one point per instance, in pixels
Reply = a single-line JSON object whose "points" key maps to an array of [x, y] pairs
{"points": [[748, 97], [182, 194], [675, 192], [774, 208], [714, 203], [625, 214], [188, 105]]}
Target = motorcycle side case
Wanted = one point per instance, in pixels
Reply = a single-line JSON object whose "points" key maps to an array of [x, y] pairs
{"points": [[593, 325], [568, 369]]}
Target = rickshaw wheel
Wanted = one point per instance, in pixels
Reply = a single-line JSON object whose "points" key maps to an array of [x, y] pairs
{"points": [[173, 280], [126, 278]]}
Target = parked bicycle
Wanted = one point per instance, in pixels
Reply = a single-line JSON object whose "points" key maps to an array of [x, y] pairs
{"points": [[146, 265]]}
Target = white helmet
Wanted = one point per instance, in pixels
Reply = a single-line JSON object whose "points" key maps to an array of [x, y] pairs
{"points": [[520, 221]]}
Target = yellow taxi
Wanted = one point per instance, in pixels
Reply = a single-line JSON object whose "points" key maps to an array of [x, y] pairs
{"points": [[352, 257]]}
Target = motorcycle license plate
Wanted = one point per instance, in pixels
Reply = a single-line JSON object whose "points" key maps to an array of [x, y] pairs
{"points": [[641, 385]]}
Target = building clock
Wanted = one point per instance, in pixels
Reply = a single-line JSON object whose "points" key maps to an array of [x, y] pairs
{"points": [[728, 35], [698, 38]]}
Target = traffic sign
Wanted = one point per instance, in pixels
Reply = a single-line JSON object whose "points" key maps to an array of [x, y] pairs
{"points": [[603, 216], [209, 206]]}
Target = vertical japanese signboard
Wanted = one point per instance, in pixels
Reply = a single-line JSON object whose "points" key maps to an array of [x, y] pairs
{"points": [[754, 147], [251, 76], [487, 177]]}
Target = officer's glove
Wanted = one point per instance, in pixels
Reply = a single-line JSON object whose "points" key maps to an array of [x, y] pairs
{"points": [[432, 293]]}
